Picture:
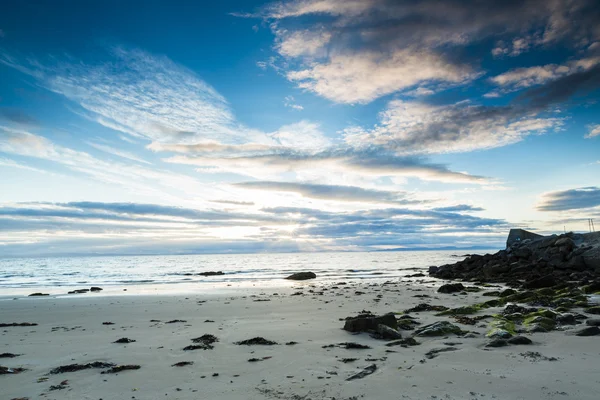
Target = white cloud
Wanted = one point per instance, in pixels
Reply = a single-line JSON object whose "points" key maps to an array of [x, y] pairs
{"points": [[594, 130], [363, 77], [521, 78], [301, 43], [117, 152], [290, 102]]}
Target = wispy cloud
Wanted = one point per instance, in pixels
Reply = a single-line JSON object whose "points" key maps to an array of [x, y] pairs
{"points": [[572, 199], [117, 152], [594, 130], [290, 102]]}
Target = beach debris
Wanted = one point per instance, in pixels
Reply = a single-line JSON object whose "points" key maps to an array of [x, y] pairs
{"points": [[291, 343], [5, 325], [211, 273], [124, 340], [536, 356], [256, 341], [302, 276], [78, 367], [451, 288], [9, 355], [38, 294], [365, 372], [441, 328], [588, 331], [78, 291], [369, 322], [434, 352], [96, 289], [348, 346], [7, 370], [182, 363], [174, 321], [425, 307], [386, 333], [348, 360], [120, 368], [209, 320]]}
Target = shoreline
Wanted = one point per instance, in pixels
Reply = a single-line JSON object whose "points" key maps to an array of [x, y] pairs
{"points": [[70, 330]]}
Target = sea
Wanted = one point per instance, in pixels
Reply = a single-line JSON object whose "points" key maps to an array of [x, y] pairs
{"points": [[179, 272]]}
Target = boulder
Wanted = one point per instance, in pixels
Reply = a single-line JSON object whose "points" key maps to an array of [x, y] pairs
{"points": [[543, 282], [593, 322], [441, 328], [433, 270], [387, 333], [519, 340], [589, 331], [95, 289], [497, 343], [451, 288], [302, 276], [369, 322]]}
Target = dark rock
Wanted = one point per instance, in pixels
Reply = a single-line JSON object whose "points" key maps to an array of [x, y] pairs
{"points": [[7, 370], [441, 328], [8, 355], [543, 282], [566, 319], [78, 367], [593, 310], [38, 294], [433, 270], [404, 342], [507, 292], [426, 307], [174, 321], [588, 331], [418, 275], [291, 343], [108, 323], [369, 322], [211, 273], [434, 353], [96, 289], [182, 364], [386, 333], [519, 340], [120, 368], [348, 360], [302, 276], [124, 340], [4, 325], [365, 372], [353, 346], [256, 341], [593, 322], [451, 288], [497, 343]]}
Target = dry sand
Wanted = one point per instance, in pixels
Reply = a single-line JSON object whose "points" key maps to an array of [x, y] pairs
{"points": [[70, 330]]}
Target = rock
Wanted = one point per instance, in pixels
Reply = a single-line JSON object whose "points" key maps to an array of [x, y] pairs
{"points": [[589, 331], [451, 288], [566, 242], [593, 322], [5, 325], [38, 294], [120, 368], [365, 372], [7, 370], [9, 355], [124, 340], [441, 328], [519, 340], [543, 282], [434, 352], [96, 289], [425, 307], [78, 367], [182, 363], [566, 319], [302, 276], [211, 273], [433, 270], [256, 341], [497, 343], [404, 343], [593, 310], [523, 252], [387, 333], [507, 292], [369, 322]]}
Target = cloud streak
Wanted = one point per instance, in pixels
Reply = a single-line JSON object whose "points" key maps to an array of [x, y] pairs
{"points": [[572, 199]]}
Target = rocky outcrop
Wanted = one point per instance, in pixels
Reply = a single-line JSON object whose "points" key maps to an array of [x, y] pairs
{"points": [[302, 276], [532, 264]]}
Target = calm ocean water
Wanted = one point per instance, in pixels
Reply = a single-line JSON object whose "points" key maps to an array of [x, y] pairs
{"points": [[37, 273]]}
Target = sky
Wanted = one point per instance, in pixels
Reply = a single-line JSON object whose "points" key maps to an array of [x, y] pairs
{"points": [[178, 127]]}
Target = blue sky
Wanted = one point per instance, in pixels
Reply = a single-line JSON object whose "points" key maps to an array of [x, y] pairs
{"points": [[311, 125]]}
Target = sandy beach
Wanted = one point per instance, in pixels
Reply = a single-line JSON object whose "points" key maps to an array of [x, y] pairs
{"points": [[73, 330]]}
